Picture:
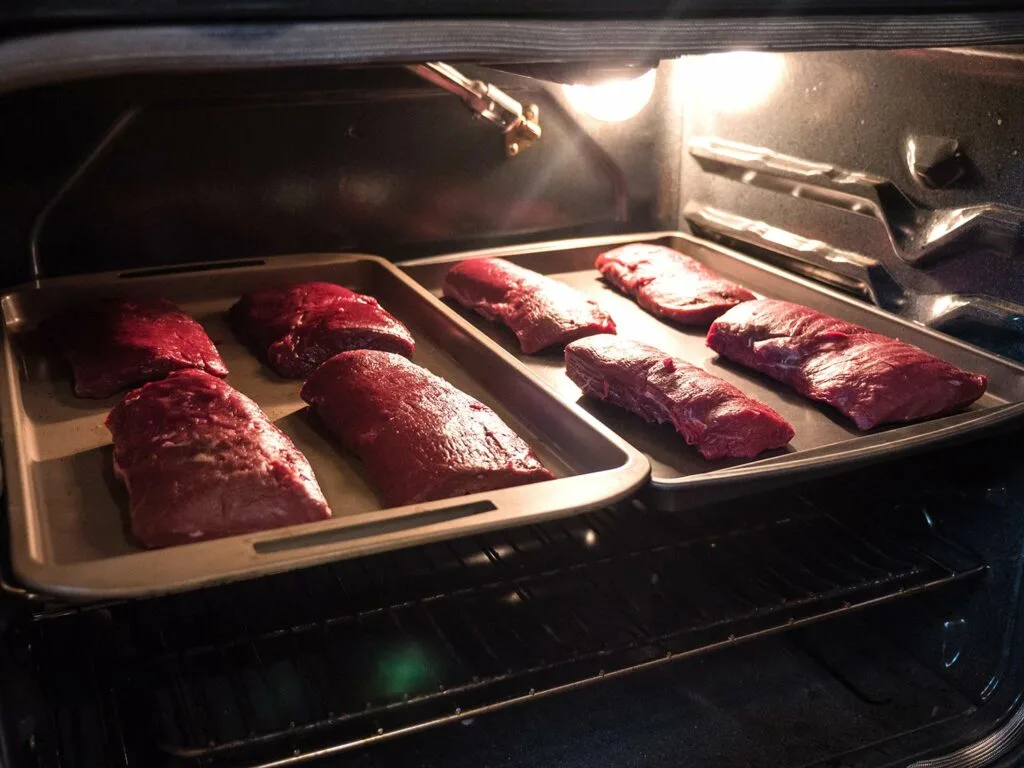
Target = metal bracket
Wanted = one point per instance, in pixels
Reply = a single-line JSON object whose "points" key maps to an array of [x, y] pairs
{"points": [[824, 262], [520, 125], [854, 272], [916, 233]]}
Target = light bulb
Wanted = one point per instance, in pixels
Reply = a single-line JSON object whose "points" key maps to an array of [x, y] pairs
{"points": [[614, 100], [735, 81]]}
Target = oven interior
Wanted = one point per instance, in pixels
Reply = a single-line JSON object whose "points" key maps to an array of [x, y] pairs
{"points": [[864, 619]]}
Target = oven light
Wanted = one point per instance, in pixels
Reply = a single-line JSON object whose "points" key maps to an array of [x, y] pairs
{"points": [[612, 101], [735, 81]]}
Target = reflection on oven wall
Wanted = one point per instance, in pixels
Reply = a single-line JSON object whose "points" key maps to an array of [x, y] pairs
{"points": [[897, 175], [362, 161], [892, 175]]}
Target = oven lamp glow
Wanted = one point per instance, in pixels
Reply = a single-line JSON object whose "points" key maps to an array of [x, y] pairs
{"points": [[735, 81], [612, 101]]}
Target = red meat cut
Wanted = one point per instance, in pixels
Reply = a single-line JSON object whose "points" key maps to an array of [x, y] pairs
{"points": [[712, 415], [870, 378], [420, 438], [670, 284], [120, 343], [300, 326], [540, 311], [201, 461]]}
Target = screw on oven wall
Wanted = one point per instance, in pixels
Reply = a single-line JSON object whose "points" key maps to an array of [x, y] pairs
{"points": [[935, 162]]}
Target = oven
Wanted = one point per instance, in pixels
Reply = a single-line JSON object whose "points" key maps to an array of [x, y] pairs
{"points": [[852, 602]]}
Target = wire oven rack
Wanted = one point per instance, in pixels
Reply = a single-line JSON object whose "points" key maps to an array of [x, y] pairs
{"points": [[275, 671]]}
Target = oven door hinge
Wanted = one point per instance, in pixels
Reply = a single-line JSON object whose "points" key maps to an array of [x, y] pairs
{"points": [[520, 125]]}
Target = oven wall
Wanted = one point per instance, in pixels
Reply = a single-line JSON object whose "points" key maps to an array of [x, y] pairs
{"points": [[142, 172], [859, 111]]}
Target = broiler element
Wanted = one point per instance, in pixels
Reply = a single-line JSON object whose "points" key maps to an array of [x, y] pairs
{"points": [[519, 124]]}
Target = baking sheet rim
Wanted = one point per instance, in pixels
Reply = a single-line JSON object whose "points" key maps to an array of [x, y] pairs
{"points": [[842, 455], [99, 579]]}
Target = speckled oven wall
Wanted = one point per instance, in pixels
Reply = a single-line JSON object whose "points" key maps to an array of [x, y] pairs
{"points": [[857, 112]]}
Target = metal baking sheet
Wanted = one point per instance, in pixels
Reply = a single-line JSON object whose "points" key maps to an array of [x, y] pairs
{"points": [[68, 514], [825, 441]]}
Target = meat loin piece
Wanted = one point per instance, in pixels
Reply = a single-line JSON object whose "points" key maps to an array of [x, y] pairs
{"points": [[670, 284], [120, 343], [201, 461], [712, 415], [870, 378], [540, 311], [300, 326], [420, 438]]}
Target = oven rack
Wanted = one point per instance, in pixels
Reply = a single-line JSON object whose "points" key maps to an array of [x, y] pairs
{"points": [[281, 669]]}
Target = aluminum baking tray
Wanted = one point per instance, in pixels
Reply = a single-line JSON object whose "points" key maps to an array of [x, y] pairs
{"points": [[824, 442], [68, 514]]}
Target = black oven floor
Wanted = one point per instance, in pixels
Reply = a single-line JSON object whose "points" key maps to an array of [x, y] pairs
{"points": [[767, 703], [362, 651]]}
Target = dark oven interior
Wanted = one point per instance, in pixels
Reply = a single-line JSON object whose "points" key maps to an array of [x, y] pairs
{"points": [[864, 619]]}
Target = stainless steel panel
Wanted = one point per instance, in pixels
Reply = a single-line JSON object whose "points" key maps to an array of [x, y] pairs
{"points": [[824, 442], [68, 514], [838, 125]]}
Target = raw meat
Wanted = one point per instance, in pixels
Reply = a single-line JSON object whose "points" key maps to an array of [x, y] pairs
{"points": [[539, 310], [870, 378], [419, 437], [201, 461], [300, 326], [120, 343], [711, 414], [670, 284]]}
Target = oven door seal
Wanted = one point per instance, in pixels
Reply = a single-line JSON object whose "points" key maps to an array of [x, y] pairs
{"points": [[58, 57]]}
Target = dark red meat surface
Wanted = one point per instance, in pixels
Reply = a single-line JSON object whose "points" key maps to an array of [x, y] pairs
{"points": [[300, 326], [670, 284], [201, 461], [870, 378], [419, 437], [541, 311], [121, 343], [712, 415]]}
